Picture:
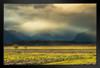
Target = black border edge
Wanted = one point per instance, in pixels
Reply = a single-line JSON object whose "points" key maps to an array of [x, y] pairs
{"points": [[49, 1], [47, 66], [98, 36], [1, 33]]}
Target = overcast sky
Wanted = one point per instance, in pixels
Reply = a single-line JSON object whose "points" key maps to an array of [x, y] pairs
{"points": [[50, 18]]}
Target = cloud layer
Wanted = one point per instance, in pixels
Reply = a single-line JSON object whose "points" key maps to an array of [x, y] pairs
{"points": [[50, 18]]}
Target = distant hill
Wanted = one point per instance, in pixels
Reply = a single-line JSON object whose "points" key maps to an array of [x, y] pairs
{"points": [[45, 39], [47, 36], [14, 36], [84, 37], [42, 36], [10, 35], [45, 43]]}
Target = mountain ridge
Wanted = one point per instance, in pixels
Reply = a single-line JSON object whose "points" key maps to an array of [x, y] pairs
{"points": [[18, 36]]}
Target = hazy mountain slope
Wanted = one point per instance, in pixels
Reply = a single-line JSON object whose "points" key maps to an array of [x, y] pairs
{"points": [[17, 36], [14, 36], [9, 36], [84, 37]]}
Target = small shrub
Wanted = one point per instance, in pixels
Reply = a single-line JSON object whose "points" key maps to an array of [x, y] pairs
{"points": [[15, 46]]}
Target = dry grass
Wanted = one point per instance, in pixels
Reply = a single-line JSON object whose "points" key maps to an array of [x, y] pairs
{"points": [[52, 47]]}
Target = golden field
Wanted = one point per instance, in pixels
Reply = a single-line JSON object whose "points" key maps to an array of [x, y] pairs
{"points": [[50, 55], [52, 47]]}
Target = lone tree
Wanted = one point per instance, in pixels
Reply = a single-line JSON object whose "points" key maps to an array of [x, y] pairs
{"points": [[15, 46], [25, 48]]}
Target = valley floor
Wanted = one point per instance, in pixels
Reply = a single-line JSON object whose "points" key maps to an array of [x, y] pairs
{"points": [[50, 55]]}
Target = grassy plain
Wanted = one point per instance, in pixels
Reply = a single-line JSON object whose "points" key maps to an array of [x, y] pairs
{"points": [[50, 55], [53, 47]]}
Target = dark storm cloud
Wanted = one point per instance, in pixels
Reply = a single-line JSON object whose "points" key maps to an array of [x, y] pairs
{"points": [[10, 24], [84, 21], [38, 6], [11, 7], [15, 6], [51, 18]]}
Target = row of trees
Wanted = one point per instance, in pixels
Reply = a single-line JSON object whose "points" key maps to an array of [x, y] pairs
{"points": [[38, 42]]}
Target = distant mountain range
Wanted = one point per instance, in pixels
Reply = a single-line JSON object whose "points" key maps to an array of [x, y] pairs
{"points": [[84, 37], [14, 36], [10, 35]]}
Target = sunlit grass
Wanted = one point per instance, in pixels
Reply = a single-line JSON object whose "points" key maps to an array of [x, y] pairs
{"points": [[74, 62], [52, 47], [50, 55]]}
